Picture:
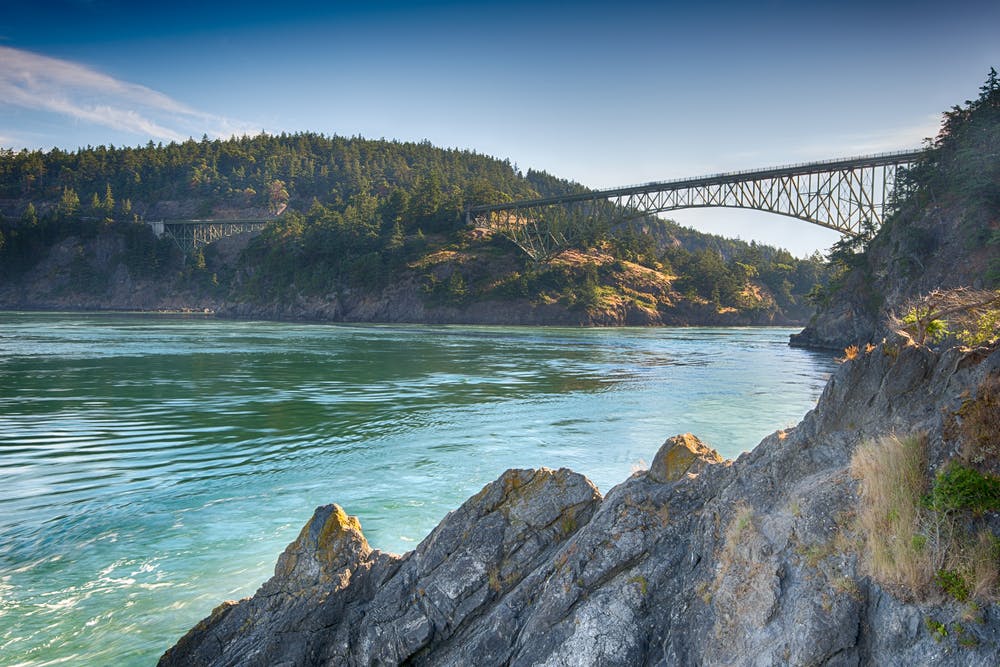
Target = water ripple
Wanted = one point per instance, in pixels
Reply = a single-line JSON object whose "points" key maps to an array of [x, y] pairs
{"points": [[153, 466]]}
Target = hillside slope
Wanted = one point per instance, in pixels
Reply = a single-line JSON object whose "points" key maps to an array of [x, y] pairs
{"points": [[362, 231]]}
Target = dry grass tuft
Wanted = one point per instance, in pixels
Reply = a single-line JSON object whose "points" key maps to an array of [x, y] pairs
{"points": [[920, 537], [980, 425], [891, 474], [850, 353], [984, 566]]}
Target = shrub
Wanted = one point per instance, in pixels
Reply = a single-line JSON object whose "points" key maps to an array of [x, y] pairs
{"points": [[953, 583], [937, 629], [958, 487], [914, 540], [924, 327], [971, 313], [982, 329]]}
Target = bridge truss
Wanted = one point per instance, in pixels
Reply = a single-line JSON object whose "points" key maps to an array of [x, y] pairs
{"points": [[849, 195], [190, 235]]}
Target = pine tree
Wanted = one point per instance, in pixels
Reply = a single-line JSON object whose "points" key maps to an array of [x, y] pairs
{"points": [[69, 203], [397, 238], [30, 216], [108, 203]]}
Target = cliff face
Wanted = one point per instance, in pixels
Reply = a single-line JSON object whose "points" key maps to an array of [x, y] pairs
{"points": [[945, 232], [935, 248], [756, 561]]}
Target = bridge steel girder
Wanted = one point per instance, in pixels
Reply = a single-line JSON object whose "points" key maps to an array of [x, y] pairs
{"points": [[845, 195], [190, 235]]}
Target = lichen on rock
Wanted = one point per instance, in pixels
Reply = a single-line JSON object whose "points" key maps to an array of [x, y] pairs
{"points": [[679, 456]]}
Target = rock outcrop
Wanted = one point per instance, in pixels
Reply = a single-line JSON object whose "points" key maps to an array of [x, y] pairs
{"points": [[695, 561], [944, 232], [897, 269]]}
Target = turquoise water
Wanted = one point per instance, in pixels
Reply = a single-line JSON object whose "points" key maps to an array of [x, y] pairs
{"points": [[154, 466]]}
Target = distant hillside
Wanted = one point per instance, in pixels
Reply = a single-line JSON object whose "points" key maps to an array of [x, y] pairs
{"points": [[361, 230]]}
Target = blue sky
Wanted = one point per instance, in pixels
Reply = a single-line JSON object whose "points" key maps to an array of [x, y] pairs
{"points": [[604, 94]]}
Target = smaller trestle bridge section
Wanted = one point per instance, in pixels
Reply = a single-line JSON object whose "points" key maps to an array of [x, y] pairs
{"points": [[190, 235], [849, 195]]}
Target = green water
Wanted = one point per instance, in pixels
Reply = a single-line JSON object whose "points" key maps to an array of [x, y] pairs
{"points": [[152, 466]]}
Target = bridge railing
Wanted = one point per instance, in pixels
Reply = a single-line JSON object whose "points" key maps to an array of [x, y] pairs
{"points": [[891, 157], [876, 159]]}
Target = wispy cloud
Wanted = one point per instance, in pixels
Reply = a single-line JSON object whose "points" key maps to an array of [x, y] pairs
{"points": [[32, 81], [896, 139]]}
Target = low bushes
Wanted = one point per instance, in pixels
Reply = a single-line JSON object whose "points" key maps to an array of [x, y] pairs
{"points": [[925, 537]]}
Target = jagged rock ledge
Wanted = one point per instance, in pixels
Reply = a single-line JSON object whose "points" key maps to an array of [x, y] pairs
{"points": [[695, 561]]}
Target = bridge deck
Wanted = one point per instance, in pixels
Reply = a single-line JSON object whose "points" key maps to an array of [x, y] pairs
{"points": [[876, 160]]}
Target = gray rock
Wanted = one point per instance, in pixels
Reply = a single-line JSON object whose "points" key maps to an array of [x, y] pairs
{"points": [[697, 561]]}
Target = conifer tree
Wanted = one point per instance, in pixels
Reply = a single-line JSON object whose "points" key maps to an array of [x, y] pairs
{"points": [[30, 216], [108, 203], [69, 203]]}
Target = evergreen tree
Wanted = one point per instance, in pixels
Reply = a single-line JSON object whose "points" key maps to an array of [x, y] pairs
{"points": [[30, 216], [108, 203], [396, 239], [69, 203]]}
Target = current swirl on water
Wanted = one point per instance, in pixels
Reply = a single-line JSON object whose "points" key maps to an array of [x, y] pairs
{"points": [[153, 466]]}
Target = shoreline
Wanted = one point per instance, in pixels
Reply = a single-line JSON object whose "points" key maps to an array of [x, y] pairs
{"points": [[211, 313]]}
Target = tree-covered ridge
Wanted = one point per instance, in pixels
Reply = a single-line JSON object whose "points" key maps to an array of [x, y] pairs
{"points": [[958, 171], [253, 171], [961, 162], [362, 215]]}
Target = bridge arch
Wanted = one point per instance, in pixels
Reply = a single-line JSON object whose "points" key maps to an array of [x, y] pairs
{"points": [[847, 195], [189, 235]]}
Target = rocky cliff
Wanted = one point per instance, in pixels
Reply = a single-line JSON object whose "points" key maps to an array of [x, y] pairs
{"points": [[944, 232], [935, 248], [757, 561]]}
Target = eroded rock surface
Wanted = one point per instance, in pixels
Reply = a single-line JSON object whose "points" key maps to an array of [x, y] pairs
{"points": [[697, 561]]}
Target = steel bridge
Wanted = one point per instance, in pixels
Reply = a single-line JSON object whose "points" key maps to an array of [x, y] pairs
{"points": [[849, 195], [189, 235]]}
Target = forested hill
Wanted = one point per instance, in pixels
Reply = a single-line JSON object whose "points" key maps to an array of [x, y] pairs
{"points": [[361, 230], [266, 171]]}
